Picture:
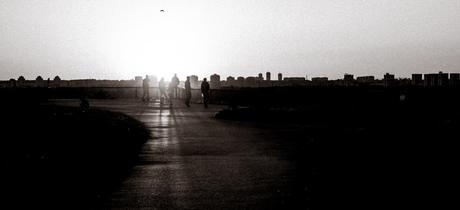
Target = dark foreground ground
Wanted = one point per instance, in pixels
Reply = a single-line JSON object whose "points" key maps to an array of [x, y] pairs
{"points": [[398, 156], [61, 157]]}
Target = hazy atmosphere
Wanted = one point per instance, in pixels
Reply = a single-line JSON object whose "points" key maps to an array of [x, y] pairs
{"points": [[108, 39], [229, 104]]}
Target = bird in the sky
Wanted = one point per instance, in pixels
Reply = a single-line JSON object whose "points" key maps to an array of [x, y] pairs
{"points": [[162, 10]]}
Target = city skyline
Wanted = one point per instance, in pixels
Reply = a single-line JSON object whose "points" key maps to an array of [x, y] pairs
{"points": [[438, 79], [123, 39], [261, 75]]}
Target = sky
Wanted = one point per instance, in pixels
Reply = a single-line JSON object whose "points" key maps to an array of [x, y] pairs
{"points": [[120, 39]]}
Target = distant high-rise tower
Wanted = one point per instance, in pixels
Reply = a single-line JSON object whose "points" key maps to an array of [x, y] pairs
{"points": [[267, 76], [231, 81], [388, 79], [194, 82], [240, 81], [443, 79], [454, 79], [280, 76], [260, 77], [348, 79], [215, 81], [417, 79]]}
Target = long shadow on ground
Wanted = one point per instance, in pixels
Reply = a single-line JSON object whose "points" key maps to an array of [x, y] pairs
{"points": [[61, 157]]}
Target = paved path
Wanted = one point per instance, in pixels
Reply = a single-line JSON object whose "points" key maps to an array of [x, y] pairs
{"points": [[194, 161]]}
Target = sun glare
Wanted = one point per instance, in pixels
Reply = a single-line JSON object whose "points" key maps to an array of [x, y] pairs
{"points": [[160, 46]]}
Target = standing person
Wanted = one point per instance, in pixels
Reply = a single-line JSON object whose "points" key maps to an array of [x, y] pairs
{"points": [[145, 86], [205, 92], [188, 92], [174, 83], [171, 89], [162, 87]]}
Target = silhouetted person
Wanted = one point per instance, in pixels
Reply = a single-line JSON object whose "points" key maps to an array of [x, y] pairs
{"points": [[171, 90], [162, 87], [205, 92], [145, 86], [174, 83], [188, 92]]}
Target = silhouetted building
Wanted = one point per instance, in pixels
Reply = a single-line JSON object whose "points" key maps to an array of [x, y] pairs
{"points": [[417, 79], [440, 79], [388, 80], [402, 82], [319, 80], [260, 76], [215, 81], [194, 82], [138, 80], [231, 81], [240, 81], [443, 79], [250, 82], [365, 79], [294, 81], [348, 79], [454, 79], [431, 80]]}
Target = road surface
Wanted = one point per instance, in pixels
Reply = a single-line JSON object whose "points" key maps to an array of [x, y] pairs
{"points": [[195, 161]]}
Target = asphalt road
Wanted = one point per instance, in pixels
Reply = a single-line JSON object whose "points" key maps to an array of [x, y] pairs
{"points": [[195, 161]]}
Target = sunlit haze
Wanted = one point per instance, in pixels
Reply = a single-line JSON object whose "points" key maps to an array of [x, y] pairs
{"points": [[108, 39]]}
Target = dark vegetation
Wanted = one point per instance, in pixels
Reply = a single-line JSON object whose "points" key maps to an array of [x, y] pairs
{"points": [[63, 157], [362, 147]]}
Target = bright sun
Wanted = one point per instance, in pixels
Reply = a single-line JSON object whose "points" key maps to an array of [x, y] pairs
{"points": [[160, 46]]}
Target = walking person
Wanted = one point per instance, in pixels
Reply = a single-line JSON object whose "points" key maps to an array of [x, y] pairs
{"points": [[162, 87], [174, 83], [205, 92], [171, 90], [145, 87], [188, 92]]}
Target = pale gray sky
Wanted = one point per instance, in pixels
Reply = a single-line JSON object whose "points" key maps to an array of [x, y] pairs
{"points": [[119, 39]]}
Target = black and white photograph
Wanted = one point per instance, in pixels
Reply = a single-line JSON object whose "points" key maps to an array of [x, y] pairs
{"points": [[229, 104]]}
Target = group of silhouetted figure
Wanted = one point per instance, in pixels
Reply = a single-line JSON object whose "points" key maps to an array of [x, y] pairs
{"points": [[172, 92]]}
